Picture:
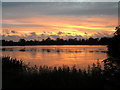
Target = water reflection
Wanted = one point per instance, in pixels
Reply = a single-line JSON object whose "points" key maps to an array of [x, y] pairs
{"points": [[79, 55]]}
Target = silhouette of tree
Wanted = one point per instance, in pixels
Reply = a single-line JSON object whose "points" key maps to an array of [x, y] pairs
{"points": [[104, 40], [22, 42], [117, 33], [58, 41], [48, 39], [114, 45]]}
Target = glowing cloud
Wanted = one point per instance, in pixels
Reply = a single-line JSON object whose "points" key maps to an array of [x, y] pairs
{"points": [[64, 20]]}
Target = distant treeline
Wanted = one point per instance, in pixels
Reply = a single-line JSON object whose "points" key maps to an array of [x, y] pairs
{"points": [[59, 41]]}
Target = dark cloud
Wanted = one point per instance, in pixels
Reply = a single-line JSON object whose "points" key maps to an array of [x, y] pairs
{"points": [[6, 31], [12, 37], [54, 36], [22, 25], [21, 10], [59, 33], [13, 31], [33, 33], [33, 36], [102, 34]]}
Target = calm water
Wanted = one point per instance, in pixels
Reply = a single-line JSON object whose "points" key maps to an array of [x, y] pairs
{"points": [[79, 55]]}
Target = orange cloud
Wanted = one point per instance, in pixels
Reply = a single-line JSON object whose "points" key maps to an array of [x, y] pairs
{"points": [[67, 24]]}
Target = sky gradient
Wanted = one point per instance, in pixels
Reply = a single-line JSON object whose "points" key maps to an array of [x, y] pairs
{"points": [[39, 20]]}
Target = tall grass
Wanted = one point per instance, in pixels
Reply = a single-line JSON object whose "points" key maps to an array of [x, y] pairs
{"points": [[16, 74]]}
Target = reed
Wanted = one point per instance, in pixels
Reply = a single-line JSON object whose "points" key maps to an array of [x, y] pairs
{"points": [[16, 74]]}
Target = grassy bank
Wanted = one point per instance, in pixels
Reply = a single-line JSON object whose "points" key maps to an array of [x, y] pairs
{"points": [[16, 74]]}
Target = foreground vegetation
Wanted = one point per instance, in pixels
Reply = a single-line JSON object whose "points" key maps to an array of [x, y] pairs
{"points": [[16, 74]]}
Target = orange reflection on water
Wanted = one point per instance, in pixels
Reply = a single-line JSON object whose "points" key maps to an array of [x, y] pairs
{"points": [[78, 55]]}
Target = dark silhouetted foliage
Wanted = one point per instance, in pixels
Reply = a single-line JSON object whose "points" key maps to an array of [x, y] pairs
{"points": [[114, 45], [59, 41], [18, 75]]}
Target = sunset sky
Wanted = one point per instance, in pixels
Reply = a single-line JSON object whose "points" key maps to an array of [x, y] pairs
{"points": [[39, 20]]}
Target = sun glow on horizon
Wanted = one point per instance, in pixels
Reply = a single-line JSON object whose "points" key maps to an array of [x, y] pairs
{"points": [[68, 22], [53, 25]]}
